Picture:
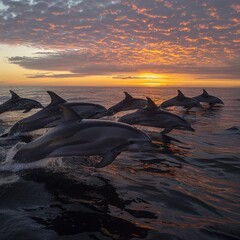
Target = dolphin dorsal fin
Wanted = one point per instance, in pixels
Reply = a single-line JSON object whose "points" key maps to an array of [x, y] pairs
{"points": [[14, 95], [180, 94], [151, 103], [68, 113], [55, 99], [128, 96], [205, 92]]}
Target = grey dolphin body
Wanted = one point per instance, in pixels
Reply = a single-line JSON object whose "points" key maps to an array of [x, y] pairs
{"points": [[84, 137], [155, 117], [50, 116], [207, 98], [128, 103], [16, 103], [181, 100]]}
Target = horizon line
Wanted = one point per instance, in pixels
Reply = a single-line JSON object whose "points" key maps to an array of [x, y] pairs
{"points": [[119, 86]]}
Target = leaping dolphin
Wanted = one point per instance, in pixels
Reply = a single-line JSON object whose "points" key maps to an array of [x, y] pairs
{"points": [[85, 137], [128, 103], [181, 100], [155, 117], [207, 98], [50, 116], [16, 103]]}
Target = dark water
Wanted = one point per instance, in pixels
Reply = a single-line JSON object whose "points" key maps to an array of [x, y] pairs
{"points": [[189, 189]]}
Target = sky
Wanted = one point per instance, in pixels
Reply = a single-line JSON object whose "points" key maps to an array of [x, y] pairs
{"points": [[120, 43]]}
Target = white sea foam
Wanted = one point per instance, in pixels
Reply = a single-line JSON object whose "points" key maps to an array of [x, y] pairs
{"points": [[10, 165], [52, 163], [6, 131], [13, 151]]}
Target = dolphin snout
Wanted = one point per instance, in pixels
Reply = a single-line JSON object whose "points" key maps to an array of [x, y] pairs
{"points": [[125, 120], [109, 113], [39, 105], [101, 114]]}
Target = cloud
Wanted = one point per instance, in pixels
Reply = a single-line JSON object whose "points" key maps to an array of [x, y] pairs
{"points": [[85, 63], [96, 37], [52, 75]]}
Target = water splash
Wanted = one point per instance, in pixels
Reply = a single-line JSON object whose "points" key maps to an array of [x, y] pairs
{"points": [[13, 151], [8, 179], [51, 163], [10, 165]]}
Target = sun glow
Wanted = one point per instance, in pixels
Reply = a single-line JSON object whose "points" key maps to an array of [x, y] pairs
{"points": [[150, 76], [153, 80]]}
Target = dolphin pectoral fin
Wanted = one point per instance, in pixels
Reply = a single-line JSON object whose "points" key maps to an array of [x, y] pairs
{"points": [[166, 130], [188, 108], [211, 105], [108, 158], [4, 135], [27, 110]]}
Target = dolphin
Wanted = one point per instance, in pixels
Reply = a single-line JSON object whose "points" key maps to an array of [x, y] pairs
{"points": [[154, 117], [50, 116], [128, 103], [181, 100], [207, 98], [76, 136], [16, 103]]}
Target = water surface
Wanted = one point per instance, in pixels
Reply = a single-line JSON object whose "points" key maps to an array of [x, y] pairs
{"points": [[188, 189]]}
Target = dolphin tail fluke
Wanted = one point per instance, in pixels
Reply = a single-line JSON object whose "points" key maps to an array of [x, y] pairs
{"points": [[108, 158], [14, 95]]}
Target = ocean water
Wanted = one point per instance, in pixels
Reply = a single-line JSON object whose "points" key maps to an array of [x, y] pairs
{"points": [[188, 189]]}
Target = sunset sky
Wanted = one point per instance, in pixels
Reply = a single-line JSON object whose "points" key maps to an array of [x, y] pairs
{"points": [[120, 42]]}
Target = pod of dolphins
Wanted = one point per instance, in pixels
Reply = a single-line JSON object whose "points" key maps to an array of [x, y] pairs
{"points": [[77, 129]]}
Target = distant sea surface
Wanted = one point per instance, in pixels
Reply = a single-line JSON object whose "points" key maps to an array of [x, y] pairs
{"points": [[187, 190]]}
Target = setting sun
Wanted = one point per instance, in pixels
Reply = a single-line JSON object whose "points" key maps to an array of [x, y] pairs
{"points": [[153, 80]]}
